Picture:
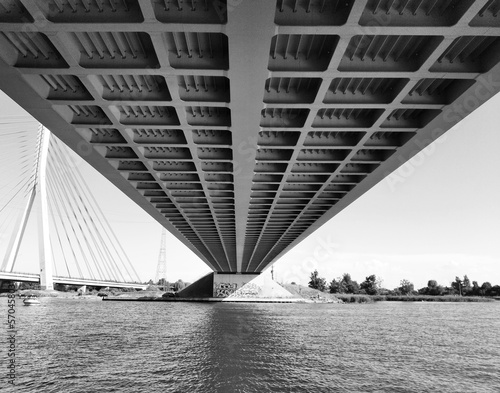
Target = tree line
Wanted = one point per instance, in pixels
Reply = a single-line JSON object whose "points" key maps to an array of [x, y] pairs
{"points": [[168, 286], [372, 285]]}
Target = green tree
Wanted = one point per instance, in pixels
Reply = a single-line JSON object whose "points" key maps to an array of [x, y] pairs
{"points": [[370, 285], [457, 285], [179, 285], [406, 287], [353, 287], [317, 282], [163, 283], [432, 284], [485, 288], [494, 290], [335, 286], [437, 291], [476, 289], [466, 286], [433, 289], [466, 282], [348, 285]]}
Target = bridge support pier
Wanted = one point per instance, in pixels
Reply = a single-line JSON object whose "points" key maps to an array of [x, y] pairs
{"points": [[225, 284], [238, 288]]}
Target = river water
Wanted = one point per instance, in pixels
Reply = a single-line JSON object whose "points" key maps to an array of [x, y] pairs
{"points": [[72, 345]]}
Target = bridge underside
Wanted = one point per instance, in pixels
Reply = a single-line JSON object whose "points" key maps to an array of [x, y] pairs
{"points": [[242, 129]]}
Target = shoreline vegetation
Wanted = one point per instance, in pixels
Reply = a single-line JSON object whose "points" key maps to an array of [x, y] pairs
{"points": [[371, 290], [410, 298], [341, 290], [308, 294], [324, 297]]}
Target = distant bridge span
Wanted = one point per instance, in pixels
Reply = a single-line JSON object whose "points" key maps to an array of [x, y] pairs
{"points": [[33, 277], [242, 132]]}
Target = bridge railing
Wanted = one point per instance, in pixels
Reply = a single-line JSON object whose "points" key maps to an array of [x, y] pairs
{"points": [[20, 274], [94, 280]]}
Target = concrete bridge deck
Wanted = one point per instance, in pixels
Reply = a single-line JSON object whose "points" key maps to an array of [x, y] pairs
{"points": [[33, 277], [243, 126]]}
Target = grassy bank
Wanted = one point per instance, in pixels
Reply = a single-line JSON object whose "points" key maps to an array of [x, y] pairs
{"points": [[325, 297], [467, 299], [348, 298], [311, 294]]}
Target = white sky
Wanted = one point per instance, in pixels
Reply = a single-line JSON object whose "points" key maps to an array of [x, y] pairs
{"points": [[438, 218]]}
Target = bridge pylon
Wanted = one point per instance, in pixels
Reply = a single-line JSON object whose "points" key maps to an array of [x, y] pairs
{"points": [[39, 188], [81, 248], [45, 249]]}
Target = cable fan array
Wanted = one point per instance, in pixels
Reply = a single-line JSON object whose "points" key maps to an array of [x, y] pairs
{"points": [[82, 232], [83, 243], [19, 150]]}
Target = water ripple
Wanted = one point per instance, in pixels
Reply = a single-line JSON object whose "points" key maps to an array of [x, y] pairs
{"points": [[76, 346]]}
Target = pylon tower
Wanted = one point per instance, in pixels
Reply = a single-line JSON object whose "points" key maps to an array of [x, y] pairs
{"points": [[38, 188], [161, 268]]}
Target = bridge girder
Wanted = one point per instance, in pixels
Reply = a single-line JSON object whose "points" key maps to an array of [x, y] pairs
{"points": [[243, 126]]}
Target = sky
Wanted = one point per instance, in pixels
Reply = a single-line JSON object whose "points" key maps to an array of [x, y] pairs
{"points": [[436, 217]]}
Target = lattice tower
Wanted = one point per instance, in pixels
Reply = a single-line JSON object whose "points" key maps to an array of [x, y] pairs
{"points": [[161, 269]]}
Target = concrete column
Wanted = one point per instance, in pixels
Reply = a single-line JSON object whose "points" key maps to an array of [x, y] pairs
{"points": [[46, 281]]}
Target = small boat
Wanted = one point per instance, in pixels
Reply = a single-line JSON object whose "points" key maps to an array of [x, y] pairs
{"points": [[31, 301]]}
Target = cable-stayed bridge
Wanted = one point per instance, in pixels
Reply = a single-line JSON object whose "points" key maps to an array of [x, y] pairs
{"points": [[243, 126], [77, 246]]}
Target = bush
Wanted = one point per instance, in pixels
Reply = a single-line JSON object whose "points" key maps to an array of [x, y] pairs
{"points": [[169, 294], [347, 298]]}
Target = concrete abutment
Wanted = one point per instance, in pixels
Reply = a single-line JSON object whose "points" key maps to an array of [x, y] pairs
{"points": [[237, 288]]}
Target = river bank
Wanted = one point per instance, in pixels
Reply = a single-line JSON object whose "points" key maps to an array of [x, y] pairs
{"points": [[349, 298], [309, 295], [324, 297]]}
